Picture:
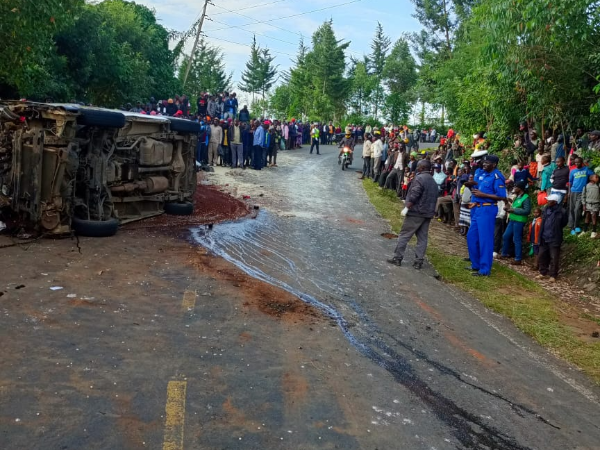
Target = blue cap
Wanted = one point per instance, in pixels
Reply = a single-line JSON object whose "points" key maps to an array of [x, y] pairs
{"points": [[492, 158]]}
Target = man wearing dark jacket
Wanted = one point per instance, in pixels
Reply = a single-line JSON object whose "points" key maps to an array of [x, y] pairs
{"points": [[419, 210], [554, 219]]}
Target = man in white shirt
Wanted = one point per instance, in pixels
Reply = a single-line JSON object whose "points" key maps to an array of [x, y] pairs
{"points": [[377, 152], [367, 153], [396, 176]]}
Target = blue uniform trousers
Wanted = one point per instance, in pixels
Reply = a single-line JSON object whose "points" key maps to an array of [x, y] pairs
{"points": [[480, 238]]}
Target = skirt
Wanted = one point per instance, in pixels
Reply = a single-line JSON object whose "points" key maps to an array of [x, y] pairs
{"points": [[465, 217]]}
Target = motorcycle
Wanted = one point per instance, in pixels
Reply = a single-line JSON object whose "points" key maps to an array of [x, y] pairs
{"points": [[346, 159]]}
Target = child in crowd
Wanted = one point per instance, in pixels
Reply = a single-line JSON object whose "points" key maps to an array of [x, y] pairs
{"points": [[547, 168], [534, 236], [523, 174], [407, 177], [590, 200]]}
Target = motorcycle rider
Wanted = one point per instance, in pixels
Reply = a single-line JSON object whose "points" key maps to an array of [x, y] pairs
{"points": [[347, 141]]}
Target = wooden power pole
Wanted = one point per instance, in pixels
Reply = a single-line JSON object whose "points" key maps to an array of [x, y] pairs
{"points": [[189, 66]]}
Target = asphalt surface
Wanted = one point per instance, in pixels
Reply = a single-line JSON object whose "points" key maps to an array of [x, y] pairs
{"points": [[450, 373], [294, 334]]}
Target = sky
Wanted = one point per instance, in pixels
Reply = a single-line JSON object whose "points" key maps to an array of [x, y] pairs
{"points": [[353, 20]]}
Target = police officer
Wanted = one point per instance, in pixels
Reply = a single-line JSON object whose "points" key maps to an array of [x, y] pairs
{"points": [[488, 191]]}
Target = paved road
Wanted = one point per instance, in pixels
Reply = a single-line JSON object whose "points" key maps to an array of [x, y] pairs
{"points": [[153, 345], [450, 374]]}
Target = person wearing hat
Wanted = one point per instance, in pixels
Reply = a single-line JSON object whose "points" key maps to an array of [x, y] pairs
{"points": [[554, 219], [489, 188], [518, 214], [594, 143]]}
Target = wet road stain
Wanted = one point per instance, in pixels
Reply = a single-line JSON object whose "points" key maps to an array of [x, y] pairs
{"points": [[471, 430]]}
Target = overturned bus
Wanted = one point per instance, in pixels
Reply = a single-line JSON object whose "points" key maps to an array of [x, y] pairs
{"points": [[68, 168]]}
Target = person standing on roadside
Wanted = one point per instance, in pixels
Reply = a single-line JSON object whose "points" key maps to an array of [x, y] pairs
{"points": [[578, 178], [314, 135], [366, 154], [258, 143], [216, 136], [490, 189], [377, 149], [554, 219], [518, 216], [419, 210], [237, 146]]}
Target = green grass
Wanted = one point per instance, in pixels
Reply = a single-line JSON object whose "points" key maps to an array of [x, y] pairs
{"points": [[531, 308]]}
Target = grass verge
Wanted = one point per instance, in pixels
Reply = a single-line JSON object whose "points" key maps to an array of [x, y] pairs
{"points": [[533, 310]]}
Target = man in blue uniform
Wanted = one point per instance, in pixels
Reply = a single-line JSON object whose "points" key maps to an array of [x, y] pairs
{"points": [[490, 189]]}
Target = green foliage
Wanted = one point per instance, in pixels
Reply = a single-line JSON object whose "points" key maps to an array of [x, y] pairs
{"points": [[208, 71], [400, 77], [106, 53], [362, 87], [259, 75], [376, 64], [28, 58]]}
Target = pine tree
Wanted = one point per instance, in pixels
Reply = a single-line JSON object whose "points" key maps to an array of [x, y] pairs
{"points": [[251, 77], [326, 64], [379, 47], [267, 71]]}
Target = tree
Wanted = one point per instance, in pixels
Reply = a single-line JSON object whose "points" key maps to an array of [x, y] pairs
{"points": [[125, 59], [326, 64], [300, 83], [267, 71], [28, 60], [376, 61], [208, 70], [362, 86], [400, 76], [251, 76]]}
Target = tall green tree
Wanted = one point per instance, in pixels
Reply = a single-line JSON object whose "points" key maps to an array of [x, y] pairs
{"points": [[362, 87], [208, 73], [28, 61], [326, 64], [300, 83], [252, 74], [376, 62], [400, 76], [125, 59], [267, 73]]}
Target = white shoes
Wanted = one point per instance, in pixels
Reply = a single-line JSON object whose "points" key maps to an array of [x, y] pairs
{"points": [[593, 235]]}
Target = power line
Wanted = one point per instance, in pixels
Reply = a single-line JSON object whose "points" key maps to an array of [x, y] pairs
{"points": [[252, 18], [249, 7], [288, 17], [245, 45], [248, 31]]}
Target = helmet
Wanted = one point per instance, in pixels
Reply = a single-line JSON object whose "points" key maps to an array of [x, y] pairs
{"points": [[406, 140]]}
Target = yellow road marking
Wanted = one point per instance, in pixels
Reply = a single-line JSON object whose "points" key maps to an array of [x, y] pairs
{"points": [[189, 300], [175, 415]]}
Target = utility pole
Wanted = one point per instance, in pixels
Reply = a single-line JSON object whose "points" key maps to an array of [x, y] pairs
{"points": [[189, 66]]}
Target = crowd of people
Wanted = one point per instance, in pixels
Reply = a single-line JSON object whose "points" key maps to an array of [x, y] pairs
{"points": [[550, 186]]}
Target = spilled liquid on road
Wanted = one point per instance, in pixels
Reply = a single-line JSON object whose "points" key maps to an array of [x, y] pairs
{"points": [[260, 248]]}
